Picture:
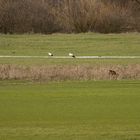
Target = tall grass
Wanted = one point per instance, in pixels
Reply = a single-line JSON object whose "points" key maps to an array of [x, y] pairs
{"points": [[62, 73]]}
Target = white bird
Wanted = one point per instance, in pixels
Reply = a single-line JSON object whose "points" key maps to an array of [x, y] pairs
{"points": [[72, 55], [50, 54]]}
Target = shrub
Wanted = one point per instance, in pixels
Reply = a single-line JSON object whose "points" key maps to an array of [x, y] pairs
{"points": [[49, 16], [26, 16], [93, 15], [112, 19]]}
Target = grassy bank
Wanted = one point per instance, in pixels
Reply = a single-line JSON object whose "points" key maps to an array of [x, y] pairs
{"points": [[70, 110]]}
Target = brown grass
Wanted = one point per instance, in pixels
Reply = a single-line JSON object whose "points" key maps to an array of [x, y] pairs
{"points": [[62, 73]]}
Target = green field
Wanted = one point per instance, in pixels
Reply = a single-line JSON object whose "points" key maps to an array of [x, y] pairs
{"points": [[92, 110], [70, 110], [61, 44]]}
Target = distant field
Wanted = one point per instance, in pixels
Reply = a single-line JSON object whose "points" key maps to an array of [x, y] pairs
{"points": [[103, 110], [61, 44]]}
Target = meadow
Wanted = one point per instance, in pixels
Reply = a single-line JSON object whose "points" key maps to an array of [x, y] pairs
{"points": [[92, 110], [69, 99], [61, 44]]}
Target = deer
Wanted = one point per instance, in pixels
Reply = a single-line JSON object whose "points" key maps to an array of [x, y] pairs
{"points": [[113, 74]]}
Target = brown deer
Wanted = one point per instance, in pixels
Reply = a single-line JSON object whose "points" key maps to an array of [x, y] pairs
{"points": [[113, 74]]}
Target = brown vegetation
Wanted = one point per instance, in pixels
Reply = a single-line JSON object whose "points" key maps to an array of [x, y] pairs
{"points": [[93, 15], [48, 16], [61, 73], [26, 16]]}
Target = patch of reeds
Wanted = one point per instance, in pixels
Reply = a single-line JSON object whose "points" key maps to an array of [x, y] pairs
{"points": [[62, 73]]}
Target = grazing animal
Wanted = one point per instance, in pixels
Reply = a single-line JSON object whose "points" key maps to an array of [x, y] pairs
{"points": [[113, 74], [72, 55], [50, 54]]}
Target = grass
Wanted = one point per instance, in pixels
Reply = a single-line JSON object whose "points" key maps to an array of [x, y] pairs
{"points": [[62, 44], [65, 73], [84, 110], [100, 110], [32, 62]]}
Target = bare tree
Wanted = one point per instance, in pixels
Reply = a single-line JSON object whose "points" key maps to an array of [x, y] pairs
{"points": [[48, 16], [137, 1]]}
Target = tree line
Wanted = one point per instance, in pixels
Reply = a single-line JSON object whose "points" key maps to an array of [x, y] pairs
{"points": [[50, 16]]}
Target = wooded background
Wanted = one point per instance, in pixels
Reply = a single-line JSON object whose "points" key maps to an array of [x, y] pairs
{"points": [[50, 16]]}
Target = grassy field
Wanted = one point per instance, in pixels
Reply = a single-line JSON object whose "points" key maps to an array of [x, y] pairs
{"points": [[72, 110], [62, 44], [93, 110]]}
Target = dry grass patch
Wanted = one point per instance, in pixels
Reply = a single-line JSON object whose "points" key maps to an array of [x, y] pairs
{"points": [[62, 73]]}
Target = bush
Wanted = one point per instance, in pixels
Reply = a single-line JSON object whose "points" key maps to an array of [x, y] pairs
{"points": [[112, 19], [49, 16], [135, 8], [93, 15], [26, 16], [78, 16]]}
